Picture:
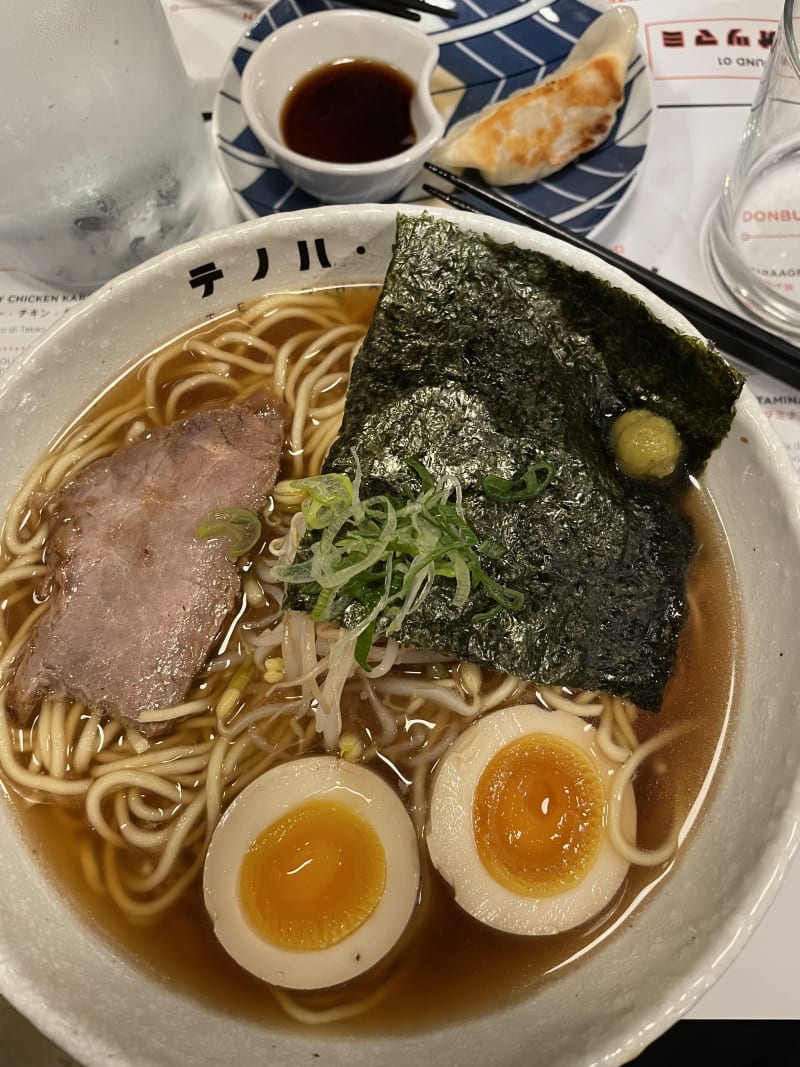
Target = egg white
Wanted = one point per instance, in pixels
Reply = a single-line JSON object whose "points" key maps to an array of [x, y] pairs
{"points": [[270, 797], [451, 842]]}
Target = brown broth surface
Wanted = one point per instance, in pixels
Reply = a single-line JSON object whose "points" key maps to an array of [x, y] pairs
{"points": [[448, 965]]}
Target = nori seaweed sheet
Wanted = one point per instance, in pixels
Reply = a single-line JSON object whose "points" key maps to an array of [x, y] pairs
{"points": [[483, 358]]}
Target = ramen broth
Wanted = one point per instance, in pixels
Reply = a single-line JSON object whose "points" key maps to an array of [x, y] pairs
{"points": [[446, 964]]}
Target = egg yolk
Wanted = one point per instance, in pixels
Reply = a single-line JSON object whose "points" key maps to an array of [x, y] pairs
{"points": [[313, 876], [538, 815]]}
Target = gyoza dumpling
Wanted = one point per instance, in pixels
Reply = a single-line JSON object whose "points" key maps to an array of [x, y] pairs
{"points": [[536, 131]]}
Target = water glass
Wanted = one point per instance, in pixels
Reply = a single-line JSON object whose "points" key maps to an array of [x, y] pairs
{"points": [[105, 158], [754, 228]]}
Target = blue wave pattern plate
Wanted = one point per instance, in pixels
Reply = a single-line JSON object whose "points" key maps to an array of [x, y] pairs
{"points": [[493, 49]]}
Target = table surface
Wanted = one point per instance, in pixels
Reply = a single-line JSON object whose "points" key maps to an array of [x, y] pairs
{"points": [[698, 119]]}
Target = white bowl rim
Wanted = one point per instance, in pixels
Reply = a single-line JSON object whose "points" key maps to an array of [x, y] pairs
{"points": [[732, 932]]}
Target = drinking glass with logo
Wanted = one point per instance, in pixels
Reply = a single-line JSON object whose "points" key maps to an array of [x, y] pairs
{"points": [[105, 157], [754, 229]]}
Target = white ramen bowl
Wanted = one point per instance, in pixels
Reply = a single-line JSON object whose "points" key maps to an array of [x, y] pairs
{"points": [[292, 52], [661, 957]]}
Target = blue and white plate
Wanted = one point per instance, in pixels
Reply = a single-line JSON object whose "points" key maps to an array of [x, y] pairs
{"points": [[494, 48]]}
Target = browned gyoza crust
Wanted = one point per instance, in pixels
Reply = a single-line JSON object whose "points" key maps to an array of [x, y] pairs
{"points": [[537, 130]]}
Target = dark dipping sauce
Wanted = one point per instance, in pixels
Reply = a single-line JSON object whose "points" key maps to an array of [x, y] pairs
{"points": [[350, 111]]}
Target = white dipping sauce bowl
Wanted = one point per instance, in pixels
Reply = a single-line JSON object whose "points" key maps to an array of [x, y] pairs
{"points": [[297, 49], [107, 1008]]}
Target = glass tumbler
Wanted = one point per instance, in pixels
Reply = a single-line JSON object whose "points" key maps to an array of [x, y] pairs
{"points": [[754, 228], [105, 159]]}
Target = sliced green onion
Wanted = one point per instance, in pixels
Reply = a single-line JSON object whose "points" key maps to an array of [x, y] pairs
{"points": [[240, 527], [376, 560], [327, 495], [422, 473], [524, 486], [363, 645], [491, 549]]}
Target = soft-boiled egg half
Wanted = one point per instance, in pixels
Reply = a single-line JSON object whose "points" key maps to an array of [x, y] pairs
{"points": [[312, 873], [518, 821]]}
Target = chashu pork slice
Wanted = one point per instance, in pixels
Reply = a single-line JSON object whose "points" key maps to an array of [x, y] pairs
{"points": [[138, 601]]}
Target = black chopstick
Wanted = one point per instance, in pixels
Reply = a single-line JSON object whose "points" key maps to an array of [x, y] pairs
{"points": [[735, 336], [409, 9], [386, 7], [446, 9]]}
